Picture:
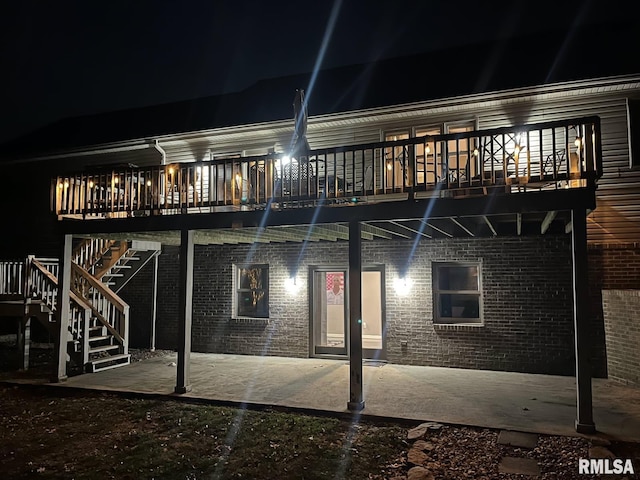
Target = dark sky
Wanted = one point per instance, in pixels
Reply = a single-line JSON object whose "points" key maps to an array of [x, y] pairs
{"points": [[69, 58]]}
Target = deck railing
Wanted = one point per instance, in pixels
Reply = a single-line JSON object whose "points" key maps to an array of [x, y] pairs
{"points": [[551, 155]]}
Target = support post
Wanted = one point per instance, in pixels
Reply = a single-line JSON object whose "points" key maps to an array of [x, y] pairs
{"points": [[185, 311], [24, 342], [63, 307], [356, 397], [154, 307], [584, 413]]}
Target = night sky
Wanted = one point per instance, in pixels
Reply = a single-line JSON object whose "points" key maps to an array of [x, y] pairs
{"points": [[70, 58]]}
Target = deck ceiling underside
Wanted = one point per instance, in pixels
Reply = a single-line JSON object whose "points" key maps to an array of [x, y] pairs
{"points": [[433, 228]]}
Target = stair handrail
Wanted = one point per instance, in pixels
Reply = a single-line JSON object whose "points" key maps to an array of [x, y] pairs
{"points": [[106, 305], [90, 251], [41, 283]]}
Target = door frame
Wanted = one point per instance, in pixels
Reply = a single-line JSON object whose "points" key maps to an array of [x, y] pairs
{"points": [[369, 354]]}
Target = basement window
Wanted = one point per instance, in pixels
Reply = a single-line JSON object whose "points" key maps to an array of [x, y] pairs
{"points": [[457, 292], [251, 291]]}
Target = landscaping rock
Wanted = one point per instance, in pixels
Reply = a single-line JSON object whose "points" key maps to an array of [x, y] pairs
{"points": [[421, 430], [424, 446], [419, 473], [417, 457], [601, 452], [520, 466], [416, 433]]}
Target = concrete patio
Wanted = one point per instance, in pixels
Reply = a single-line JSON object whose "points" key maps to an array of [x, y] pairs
{"points": [[505, 400]]}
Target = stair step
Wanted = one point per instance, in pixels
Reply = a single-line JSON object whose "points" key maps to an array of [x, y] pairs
{"points": [[104, 348], [96, 328], [113, 275], [106, 363], [100, 338]]}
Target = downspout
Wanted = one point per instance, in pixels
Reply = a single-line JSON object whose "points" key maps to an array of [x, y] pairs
{"points": [[156, 145]]}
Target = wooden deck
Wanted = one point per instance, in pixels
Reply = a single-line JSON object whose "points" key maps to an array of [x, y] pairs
{"points": [[537, 157]]}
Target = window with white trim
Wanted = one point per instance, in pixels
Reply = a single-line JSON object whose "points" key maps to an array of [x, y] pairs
{"points": [[457, 293], [251, 291]]}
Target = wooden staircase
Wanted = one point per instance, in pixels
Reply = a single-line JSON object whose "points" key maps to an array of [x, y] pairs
{"points": [[98, 333]]}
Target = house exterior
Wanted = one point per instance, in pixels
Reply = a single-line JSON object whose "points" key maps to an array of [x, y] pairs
{"points": [[469, 230]]}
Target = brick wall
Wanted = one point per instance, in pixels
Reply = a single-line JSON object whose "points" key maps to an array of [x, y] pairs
{"points": [[611, 267], [527, 302], [622, 325], [138, 293]]}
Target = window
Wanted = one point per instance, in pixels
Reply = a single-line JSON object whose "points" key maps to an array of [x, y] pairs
{"points": [[457, 293], [251, 284], [434, 161]]}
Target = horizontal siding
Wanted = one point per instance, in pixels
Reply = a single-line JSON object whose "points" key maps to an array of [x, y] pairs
{"points": [[618, 196]]}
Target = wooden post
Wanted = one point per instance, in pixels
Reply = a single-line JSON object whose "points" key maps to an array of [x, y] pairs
{"points": [[24, 342], [154, 307], [356, 397], [584, 414], [185, 311], [63, 308]]}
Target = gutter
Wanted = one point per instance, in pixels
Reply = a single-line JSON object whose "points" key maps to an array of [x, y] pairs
{"points": [[94, 151]]}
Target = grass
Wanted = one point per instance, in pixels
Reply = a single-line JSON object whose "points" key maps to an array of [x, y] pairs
{"points": [[59, 433]]}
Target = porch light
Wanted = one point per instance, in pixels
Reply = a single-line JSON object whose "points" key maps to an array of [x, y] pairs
{"points": [[578, 142], [389, 166], [402, 286], [286, 160], [475, 152], [148, 183], [427, 149], [60, 186], [291, 285], [66, 184], [90, 183], [116, 180], [171, 170], [238, 180]]}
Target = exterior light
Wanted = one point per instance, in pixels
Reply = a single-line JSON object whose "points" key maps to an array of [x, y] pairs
{"points": [[291, 285], [286, 160], [66, 184], [475, 152], [238, 179], [402, 286], [148, 183], [116, 180], [389, 166], [427, 149], [60, 186], [171, 170], [90, 183], [578, 142]]}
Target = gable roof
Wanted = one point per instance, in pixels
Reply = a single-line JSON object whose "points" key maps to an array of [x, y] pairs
{"points": [[531, 60]]}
